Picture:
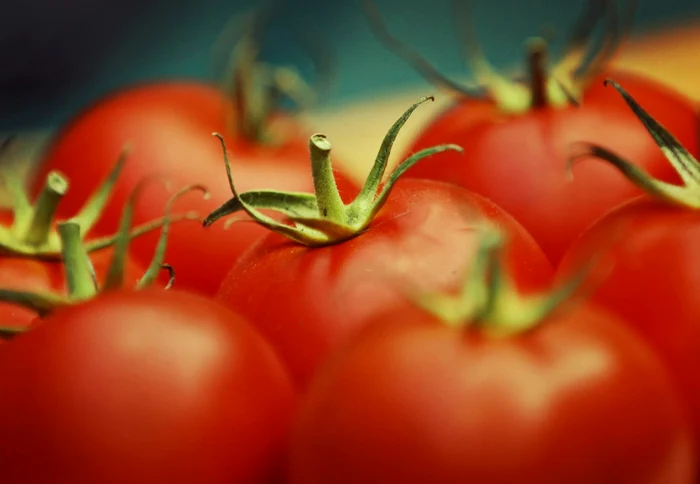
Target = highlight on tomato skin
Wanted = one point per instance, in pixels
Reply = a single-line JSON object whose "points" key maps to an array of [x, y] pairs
{"points": [[168, 125], [516, 142], [536, 389], [156, 386]]}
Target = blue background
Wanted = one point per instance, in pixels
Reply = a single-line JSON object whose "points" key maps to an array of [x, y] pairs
{"points": [[58, 55]]}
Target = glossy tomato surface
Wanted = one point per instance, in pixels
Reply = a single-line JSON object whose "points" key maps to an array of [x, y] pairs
{"points": [[151, 386], [579, 400], [520, 162], [169, 127], [306, 301], [652, 256]]}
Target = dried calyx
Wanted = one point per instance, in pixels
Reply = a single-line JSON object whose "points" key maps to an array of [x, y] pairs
{"points": [[489, 299], [81, 281], [321, 218], [561, 86], [258, 88], [687, 167], [34, 233]]}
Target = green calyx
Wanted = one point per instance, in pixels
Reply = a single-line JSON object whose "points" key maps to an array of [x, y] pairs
{"points": [[685, 195], [321, 218], [489, 299], [560, 86], [257, 88], [33, 232], [81, 281]]}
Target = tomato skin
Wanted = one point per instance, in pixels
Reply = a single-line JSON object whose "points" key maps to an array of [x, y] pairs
{"points": [[306, 301], [148, 386], [654, 272], [410, 400], [48, 276], [169, 126], [520, 162]]}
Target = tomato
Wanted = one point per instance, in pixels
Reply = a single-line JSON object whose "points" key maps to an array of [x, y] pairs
{"points": [[516, 136], [169, 127], [147, 386], [307, 300], [579, 400], [649, 247], [654, 250], [520, 162]]}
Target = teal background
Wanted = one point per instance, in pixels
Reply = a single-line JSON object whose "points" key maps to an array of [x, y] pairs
{"points": [[56, 56]]}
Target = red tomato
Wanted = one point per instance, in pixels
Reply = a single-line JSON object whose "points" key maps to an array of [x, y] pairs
{"points": [[169, 126], [519, 162], [579, 400], [653, 281], [147, 386], [305, 301]]}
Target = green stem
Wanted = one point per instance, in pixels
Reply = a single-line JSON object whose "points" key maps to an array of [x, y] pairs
{"points": [[537, 63], [77, 264], [321, 218], [55, 187], [330, 205]]}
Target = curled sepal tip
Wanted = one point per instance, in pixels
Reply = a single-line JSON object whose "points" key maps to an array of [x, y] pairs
{"points": [[687, 167], [321, 218], [157, 264]]}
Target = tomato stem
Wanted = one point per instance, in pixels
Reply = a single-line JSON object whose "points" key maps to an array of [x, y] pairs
{"points": [[79, 272], [506, 312], [256, 88], [321, 218], [489, 299], [330, 205], [33, 233], [41, 222], [537, 62], [80, 275], [560, 88], [461, 310]]}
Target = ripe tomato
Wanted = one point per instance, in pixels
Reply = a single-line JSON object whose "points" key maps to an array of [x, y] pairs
{"points": [[306, 301], [579, 400], [652, 243], [520, 162], [169, 127], [655, 249], [516, 136], [147, 386]]}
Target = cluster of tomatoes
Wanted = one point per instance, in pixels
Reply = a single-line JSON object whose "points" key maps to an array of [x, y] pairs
{"points": [[500, 308]]}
